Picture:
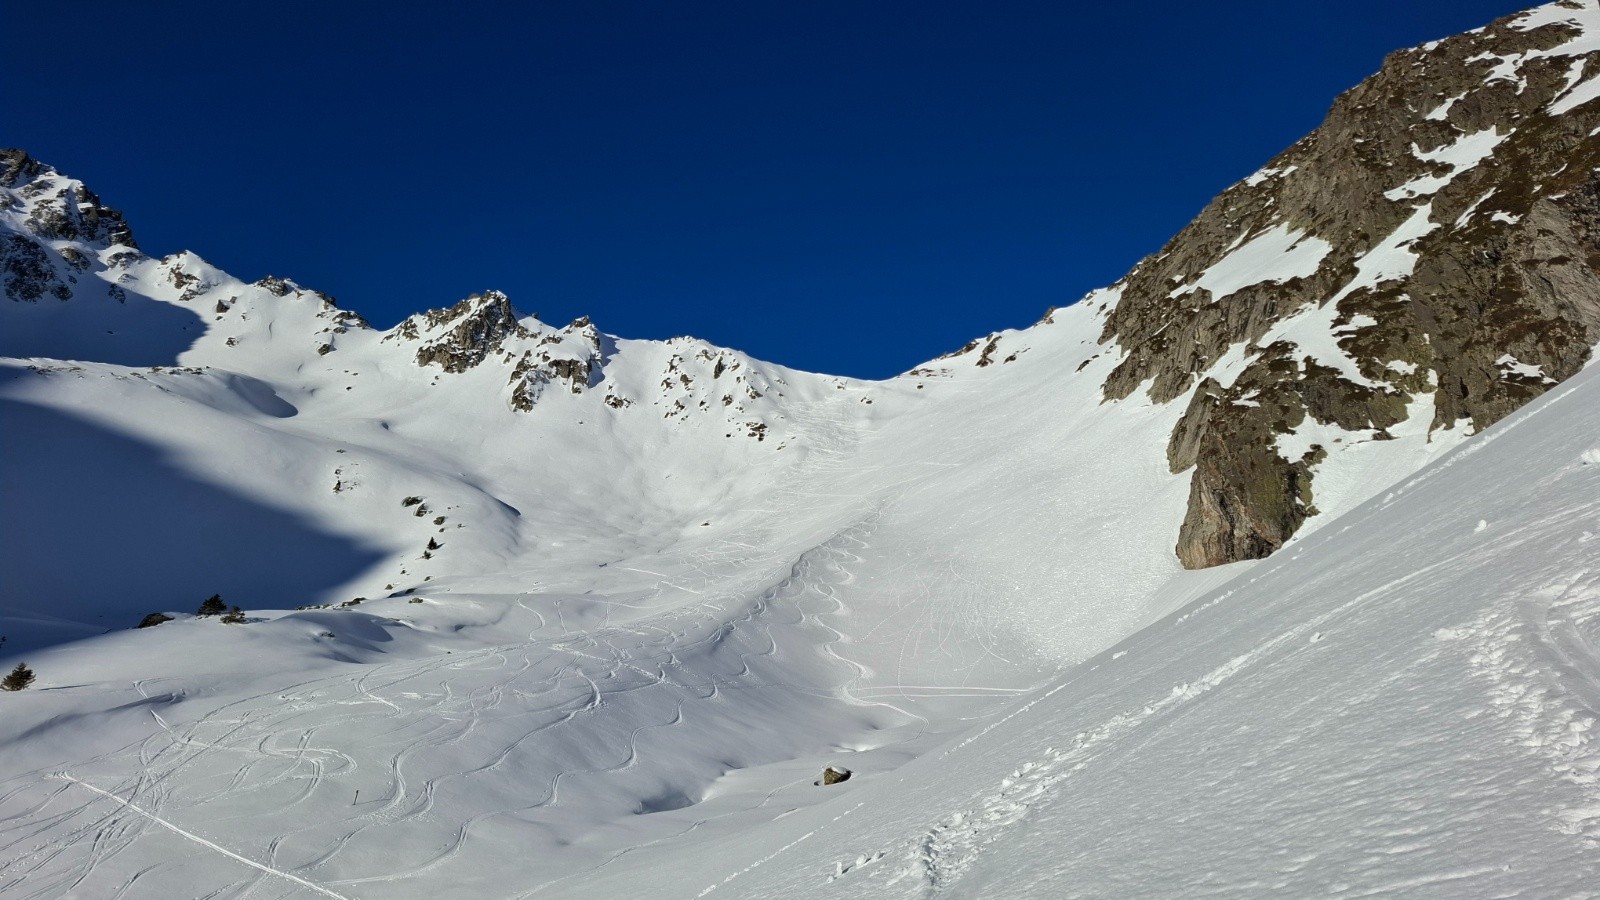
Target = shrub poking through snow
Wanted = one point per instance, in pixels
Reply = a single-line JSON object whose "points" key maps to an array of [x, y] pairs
{"points": [[154, 619], [20, 678], [234, 616], [212, 607], [411, 501]]}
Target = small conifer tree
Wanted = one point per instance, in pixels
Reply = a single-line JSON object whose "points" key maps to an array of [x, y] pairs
{"points": [[213, 606], [233, 616], [20, 677]]}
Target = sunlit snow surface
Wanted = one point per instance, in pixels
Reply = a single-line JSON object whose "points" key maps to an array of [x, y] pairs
{"points": [[638, 631], [1276, 255], [1404, 703], [632, 677], [611, 647], [629, 648]]}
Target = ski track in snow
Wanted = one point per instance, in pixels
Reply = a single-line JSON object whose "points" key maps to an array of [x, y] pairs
{"points": [[288, 739], [1541, 662], [449, 761], [1539, 655], [937, 858], [203, 842]]}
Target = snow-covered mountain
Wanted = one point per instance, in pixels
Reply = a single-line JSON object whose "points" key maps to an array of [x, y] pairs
{"points": [[539, 609]]}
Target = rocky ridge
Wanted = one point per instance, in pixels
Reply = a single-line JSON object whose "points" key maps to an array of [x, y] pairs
{"points": [[1439, 230], [63, 243], [61, 214]]}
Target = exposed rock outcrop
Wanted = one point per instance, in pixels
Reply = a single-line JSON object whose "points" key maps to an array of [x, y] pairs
{"points": [[570, 357], [460, 337], [39, 262], [26, 272], [62, 210], [1437, 234]]}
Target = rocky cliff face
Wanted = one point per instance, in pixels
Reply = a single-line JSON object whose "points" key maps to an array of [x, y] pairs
{"points": [[1433, 249], [41, 260], [61, 212]]}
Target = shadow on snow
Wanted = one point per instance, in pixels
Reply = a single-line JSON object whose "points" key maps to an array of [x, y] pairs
{"points": [[99, 529]]}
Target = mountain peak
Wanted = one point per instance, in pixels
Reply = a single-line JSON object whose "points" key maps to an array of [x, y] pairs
{"points": [[459, 337], [17, 166], [57, 207]]}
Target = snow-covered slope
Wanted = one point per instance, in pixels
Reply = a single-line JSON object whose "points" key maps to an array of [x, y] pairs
{"points": [[1404, 704], [535, 608], [650, 582], [286, 428]]}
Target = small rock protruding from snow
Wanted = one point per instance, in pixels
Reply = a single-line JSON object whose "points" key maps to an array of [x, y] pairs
{"points": [[833, 775]]}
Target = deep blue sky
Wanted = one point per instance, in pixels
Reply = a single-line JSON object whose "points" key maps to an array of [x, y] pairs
{"points": [[844, 187]]}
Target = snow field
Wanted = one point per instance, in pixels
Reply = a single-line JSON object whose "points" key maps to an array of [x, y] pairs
{"points": [[605, 645], [1402, 702]]}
